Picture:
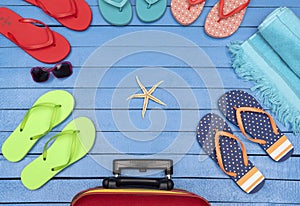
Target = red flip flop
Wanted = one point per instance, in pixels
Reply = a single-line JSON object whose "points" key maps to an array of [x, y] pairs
{"points": [[73, 14], [186, 12], [41, 43], [225, 18]]}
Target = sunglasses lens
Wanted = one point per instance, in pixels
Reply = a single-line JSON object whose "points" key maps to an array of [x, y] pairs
{"points": [[63, 70], [39, 75]]}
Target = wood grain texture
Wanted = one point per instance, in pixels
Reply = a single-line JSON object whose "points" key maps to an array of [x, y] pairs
{"points": [[166, 132], [111, 120], [52, 192], [99, 165], [136, 143]]}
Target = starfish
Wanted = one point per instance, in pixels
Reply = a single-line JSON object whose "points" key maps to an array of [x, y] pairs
{"points": [[146, 95]]}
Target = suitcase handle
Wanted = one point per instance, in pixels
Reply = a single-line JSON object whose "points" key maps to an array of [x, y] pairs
{"points": [[136, 182], [142, 165]]}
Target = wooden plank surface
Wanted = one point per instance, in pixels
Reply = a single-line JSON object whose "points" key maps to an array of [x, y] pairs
{"points": [[53, 192], [166, 132]]}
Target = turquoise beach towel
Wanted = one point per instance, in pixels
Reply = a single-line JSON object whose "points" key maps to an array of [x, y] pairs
{"points": [[271, 59]]}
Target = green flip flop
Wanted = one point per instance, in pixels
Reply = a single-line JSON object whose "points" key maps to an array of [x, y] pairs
{"points": [[150, 10], [70, 145], [48, 111], [116, 12]]}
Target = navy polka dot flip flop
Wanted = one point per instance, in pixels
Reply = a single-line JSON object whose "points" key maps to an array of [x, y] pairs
{"points": [[244, 111], [218, 141]]}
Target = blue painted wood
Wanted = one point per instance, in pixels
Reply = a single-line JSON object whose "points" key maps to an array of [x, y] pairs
{"points": [[117, 98], [23, 80], [161, 127], [137, 143], [208, 188], [218, 55], [128, 120], [96, 166]]}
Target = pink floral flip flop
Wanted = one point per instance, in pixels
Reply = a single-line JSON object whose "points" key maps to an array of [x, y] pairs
{"points": [[225, 18], [186, 11]]}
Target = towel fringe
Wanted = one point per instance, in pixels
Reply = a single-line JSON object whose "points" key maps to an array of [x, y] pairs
{"points": [[266, 90]]}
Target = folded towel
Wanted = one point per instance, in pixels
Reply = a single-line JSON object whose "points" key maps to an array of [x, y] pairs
{"points": [[270, 58], [281, 29]]}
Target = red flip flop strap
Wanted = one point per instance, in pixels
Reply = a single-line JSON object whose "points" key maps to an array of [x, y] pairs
{"points": [[72, 12], [194, 2], [236, 10], [49, 33]]}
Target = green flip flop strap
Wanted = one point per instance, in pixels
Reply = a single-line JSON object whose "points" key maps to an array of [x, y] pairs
{"points": [[65, 133], [55, 107], [151, 2], [117, 4]]}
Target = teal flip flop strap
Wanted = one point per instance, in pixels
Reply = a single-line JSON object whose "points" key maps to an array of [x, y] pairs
{"points": [[52, 106], [73, 134], [119, 5], [151, 2]]}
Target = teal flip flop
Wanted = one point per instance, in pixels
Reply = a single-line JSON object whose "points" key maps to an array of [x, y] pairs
{"points": [[150, 10], [48, 111], [116, 12], [69, 146]]}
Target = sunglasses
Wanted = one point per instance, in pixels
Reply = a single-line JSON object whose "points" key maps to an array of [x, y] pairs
{"points": [[61, 70]]}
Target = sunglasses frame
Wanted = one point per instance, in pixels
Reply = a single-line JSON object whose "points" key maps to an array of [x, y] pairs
{"points": [[50, 70]]}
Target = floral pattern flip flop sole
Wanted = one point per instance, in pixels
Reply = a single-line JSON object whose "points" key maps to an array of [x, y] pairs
{"points": [[186, 12], [225, 18]]}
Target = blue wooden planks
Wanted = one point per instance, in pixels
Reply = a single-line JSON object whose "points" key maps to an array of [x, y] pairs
{"points": [[96, 165], [62, 190], [128, 142], [128, 120], [227, 79], [162, 127], [17, 58]]}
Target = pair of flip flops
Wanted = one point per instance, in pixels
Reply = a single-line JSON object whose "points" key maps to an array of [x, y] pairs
{"points": [[42, 43], [218, 141], [68, 146], [222, 20], [120, 12]]}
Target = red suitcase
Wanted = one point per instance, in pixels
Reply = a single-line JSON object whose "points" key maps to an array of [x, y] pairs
{"points": [[126, 191]]}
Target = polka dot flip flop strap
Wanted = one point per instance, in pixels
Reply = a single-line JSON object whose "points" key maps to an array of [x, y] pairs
{"points": [[244, 111], [186, 12], [225, 18], [218, 141]]}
